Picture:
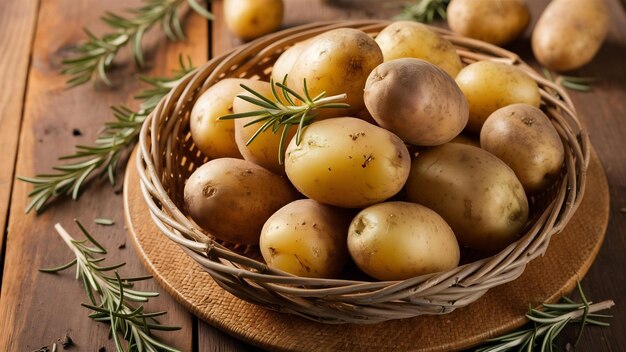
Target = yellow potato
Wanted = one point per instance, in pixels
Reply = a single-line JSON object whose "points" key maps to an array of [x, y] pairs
{"points": [[214, 137], [232, 198], [400, 240], [286, 60], [264, 149], [337, 62], [406, 39], [347, 162], [569, 33], [523, 137], [489, 86], [306, 238], [250, 19], [497, 22], [477, 194], [417, 101]]}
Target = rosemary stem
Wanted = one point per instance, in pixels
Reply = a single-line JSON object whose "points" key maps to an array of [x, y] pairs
{"points": [[329, 100]]}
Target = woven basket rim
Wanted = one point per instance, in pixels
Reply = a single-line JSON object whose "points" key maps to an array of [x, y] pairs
{"points": [[349, 300]]}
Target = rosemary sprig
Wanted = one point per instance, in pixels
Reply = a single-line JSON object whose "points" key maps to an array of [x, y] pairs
{"points": [[111, 297], [94, 58], [581, 84], [116, 138], [549, 322], [424, 11], [282, 113]]}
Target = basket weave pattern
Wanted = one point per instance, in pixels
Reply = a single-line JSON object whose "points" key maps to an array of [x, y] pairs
{"points": [[167, 157]]}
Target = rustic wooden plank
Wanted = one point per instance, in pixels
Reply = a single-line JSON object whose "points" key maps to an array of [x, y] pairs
{"points": [[38, 308], [17, 25]]}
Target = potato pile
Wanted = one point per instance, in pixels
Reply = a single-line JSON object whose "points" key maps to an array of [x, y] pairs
{"points": [[430, 157]]}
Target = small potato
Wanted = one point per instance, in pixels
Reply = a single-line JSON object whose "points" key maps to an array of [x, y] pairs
{"points": [[476, 193], [400, 240], [467, 138], [347, 162], [417, 101], [214, 137], [569, 33], [405, 39], [232, 198], [286, 60], [523, 137], [264, 149], [497, 22], [337, 62], [306, 238], [489, 86], [250, 19]]}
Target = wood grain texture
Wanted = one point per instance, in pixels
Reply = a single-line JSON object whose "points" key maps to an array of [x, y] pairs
{"points": [[38, 308], [501, 309], [18, 19]]}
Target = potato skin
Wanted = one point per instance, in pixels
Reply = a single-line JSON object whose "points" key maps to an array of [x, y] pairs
{"points": [[337, 62], [250, 19], [523, 137], [347, 162], [232, 198], [497, 22], [401, 240], [417, 101], [476, 193], [216, 138], [406, 39], [263, 150], [286, 60], [306, 238], [489, 86], [569, 33]]}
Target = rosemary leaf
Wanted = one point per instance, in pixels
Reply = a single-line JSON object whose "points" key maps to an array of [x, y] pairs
{"points": [[104, 222], [111, 299], [116, 138], [93, 59], [424, 11]]}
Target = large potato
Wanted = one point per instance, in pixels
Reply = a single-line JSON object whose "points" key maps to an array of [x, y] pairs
{"points": [[404, 39], [523, 137], [476, 193], [569, 33], [347, 162], [489, 86], [494, 21], [232, 198], [214, 137], [306, 238], [400, 240], [337, 62], [417, 101], [264, 149], [250, 19]]}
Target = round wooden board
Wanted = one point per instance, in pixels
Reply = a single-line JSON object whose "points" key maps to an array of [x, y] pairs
{"points": [[500, 310]]}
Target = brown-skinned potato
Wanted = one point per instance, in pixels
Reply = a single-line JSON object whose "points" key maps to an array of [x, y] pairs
{"points": [[523, 137]]}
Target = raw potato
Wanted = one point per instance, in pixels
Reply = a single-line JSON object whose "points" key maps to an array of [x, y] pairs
{"points": [[417, 101], [400, 240], [347, 162], [337, 62], [569, 33], [214, 137], [306, 238], [264, 149], [467, 138], [232, 198], [250, 19], [489, 86], [406, 39], [476, 193], [286, 60], [523, 137], [497, 22]]}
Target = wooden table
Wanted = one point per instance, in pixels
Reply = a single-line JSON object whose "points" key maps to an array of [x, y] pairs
{"points": [[38, 115]]}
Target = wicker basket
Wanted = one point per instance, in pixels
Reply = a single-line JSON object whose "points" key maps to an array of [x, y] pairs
{"points": [[167, 156]]}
